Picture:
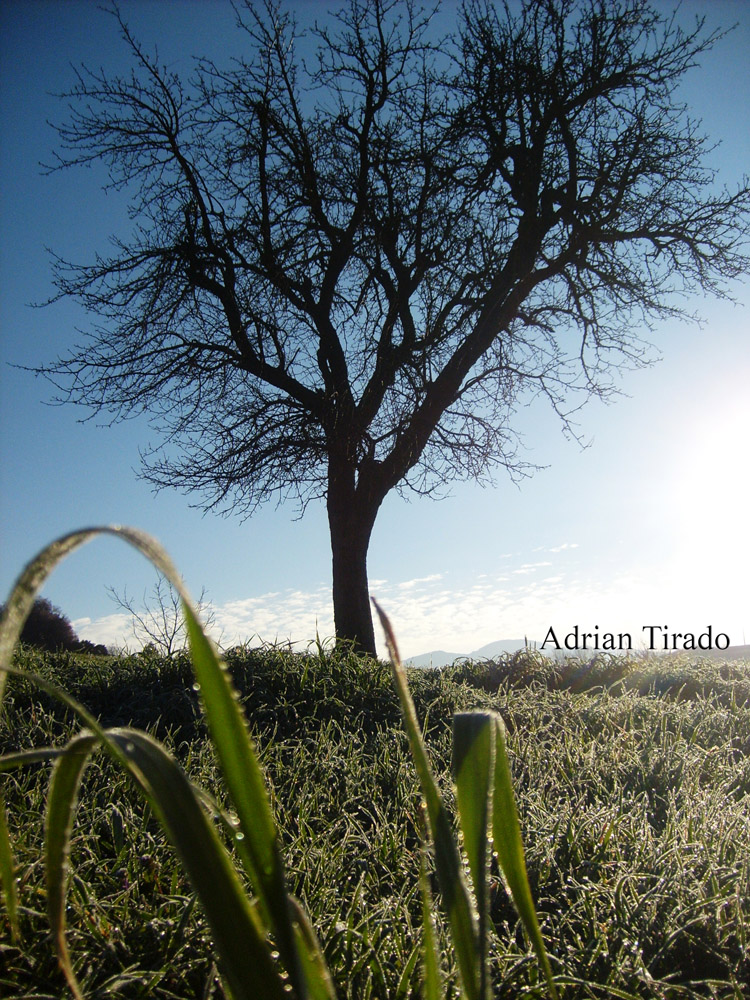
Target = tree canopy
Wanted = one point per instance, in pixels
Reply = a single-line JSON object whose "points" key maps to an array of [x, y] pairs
{"points": [[46, 627], [354, 254]]}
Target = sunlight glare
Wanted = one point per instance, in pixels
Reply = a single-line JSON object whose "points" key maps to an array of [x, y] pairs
{"points": [[708, 498]]}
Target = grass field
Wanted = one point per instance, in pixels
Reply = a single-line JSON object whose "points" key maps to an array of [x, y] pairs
{"points": [[633, 787]]}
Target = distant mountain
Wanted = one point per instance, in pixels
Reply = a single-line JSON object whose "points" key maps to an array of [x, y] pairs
{"points": [[501, 646], [439, 657]]}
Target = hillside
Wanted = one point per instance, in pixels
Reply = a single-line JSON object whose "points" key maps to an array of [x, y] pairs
{"points": [[633, 786], [440, 658]]}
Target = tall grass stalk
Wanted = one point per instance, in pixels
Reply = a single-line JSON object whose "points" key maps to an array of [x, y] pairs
{"points": [[484, 790], [265, 941]]}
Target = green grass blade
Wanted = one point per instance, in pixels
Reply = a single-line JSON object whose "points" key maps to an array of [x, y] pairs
{"points": [[13, 760], [259, 845], [61, 806], [8, 875], [506, 835], [432, 987], [473, 766], [236, 930], [315, 970], [46, 753], [238, 933], [459, 906], [21, 599], [36, 571], [39, 755], [404, 980], [241, 770], [12, 618]]}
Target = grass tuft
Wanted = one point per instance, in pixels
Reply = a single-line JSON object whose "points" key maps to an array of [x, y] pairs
{"points": [[632, 788]]}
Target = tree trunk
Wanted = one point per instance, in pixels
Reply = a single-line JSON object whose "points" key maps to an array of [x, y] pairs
{"points": [[351, 522]]}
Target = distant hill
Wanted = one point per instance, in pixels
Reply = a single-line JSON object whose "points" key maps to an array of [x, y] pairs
{"points": [[440, 658], [435, 658], [501, 646]]}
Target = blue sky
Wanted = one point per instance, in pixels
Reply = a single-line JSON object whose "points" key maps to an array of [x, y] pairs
{"points": [[646, 526]]}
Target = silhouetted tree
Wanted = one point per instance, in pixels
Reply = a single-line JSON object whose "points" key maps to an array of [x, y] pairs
{"points": [[347, 271], [48, 628]]}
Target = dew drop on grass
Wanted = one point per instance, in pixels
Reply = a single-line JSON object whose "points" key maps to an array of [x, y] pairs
{"points": [[239, 836], [196, 686]]}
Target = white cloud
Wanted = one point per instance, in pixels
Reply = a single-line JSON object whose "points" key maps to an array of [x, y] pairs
{"points": [[409, 584], [426, 614], [111, 630], [529, 568], [556, 548], [279, 616]]}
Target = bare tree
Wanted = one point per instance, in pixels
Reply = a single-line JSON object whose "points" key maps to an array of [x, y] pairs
{"points": [[348, 269], [157, 620]]}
